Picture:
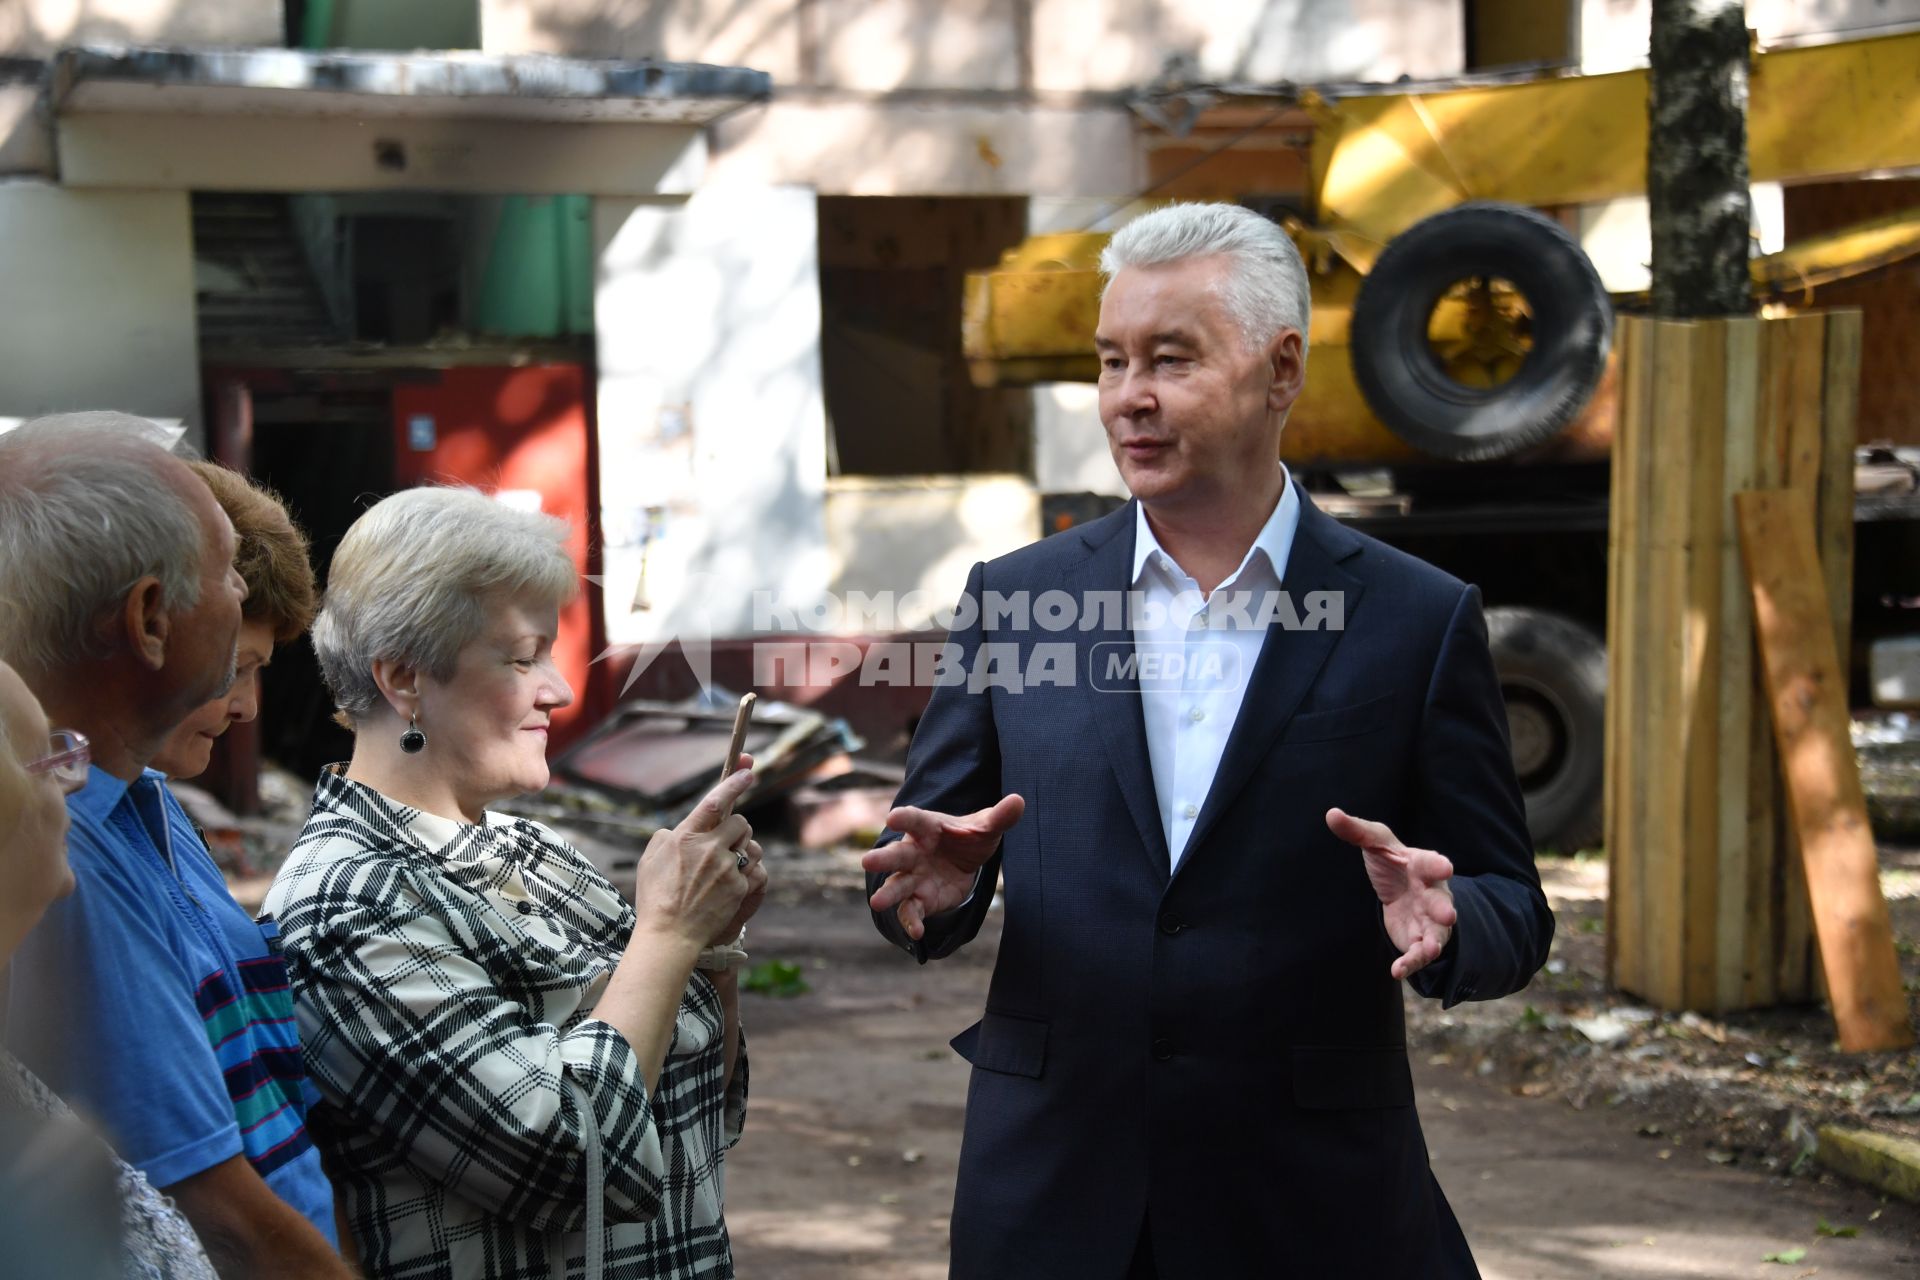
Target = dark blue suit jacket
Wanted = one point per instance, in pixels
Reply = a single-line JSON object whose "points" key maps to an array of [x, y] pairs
{"points": [[1222, 1049]]}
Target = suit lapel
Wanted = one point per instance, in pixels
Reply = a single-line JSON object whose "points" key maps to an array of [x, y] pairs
{"points": [[1289, 663], [1115, 703]]}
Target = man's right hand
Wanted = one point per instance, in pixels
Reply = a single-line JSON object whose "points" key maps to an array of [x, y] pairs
{"points": [[932, 867]]}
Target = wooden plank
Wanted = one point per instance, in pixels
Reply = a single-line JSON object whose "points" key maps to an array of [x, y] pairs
{"points": [[1803, 451], [1761, 943], [1702, 495], [1626, 708], [1799, 976], [1824, 799], [1662, 634], [1804, 342], [1624, 342], [1644, 653], [1839, 417], [1735, 677], [1765, 850]]}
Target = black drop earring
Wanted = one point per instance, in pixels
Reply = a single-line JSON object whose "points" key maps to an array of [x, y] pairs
{"points": [[413, 741]]}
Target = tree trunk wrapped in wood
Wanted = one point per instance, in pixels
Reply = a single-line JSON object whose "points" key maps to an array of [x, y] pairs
{"points": [[1697, 179]]}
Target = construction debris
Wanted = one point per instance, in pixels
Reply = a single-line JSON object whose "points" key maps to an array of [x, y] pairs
{"points": [[648, 764]]}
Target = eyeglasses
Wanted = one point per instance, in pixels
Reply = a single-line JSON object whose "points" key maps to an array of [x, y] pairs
{"points": [[68, 759]]}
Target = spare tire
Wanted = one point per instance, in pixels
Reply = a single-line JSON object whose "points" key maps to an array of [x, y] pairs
{"points": [[1404, 380], [1553, 676]]}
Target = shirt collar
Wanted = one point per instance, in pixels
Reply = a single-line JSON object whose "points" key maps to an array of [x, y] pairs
{"points": [[100, 797], [429, 831], [1275, 539]]}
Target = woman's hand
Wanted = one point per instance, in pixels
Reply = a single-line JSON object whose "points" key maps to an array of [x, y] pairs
{"points": [[756, 894], [689, 883]]}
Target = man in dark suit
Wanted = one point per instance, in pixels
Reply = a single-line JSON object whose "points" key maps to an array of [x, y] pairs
{"points": [[1192, 1061]]}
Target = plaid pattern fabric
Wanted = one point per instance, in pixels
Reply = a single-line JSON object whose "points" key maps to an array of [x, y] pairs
{"points": [[446, 975]]}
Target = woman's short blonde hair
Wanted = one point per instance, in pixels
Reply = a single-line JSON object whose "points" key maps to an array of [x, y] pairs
{"points": [[414, 577]]}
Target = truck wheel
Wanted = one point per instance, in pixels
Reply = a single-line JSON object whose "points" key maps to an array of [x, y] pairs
{"points": [[1480, 332], [1553, 675]]}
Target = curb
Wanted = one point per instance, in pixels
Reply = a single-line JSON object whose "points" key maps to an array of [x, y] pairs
{"points": [[1877, 1159]]}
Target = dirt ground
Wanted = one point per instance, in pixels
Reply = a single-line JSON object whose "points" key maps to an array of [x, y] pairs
{"points": [[1677, 1146], [854, 1131], [1749, 1089]]}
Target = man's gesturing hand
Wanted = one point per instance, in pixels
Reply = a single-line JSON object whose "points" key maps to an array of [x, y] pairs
{"points": [[1412, 887], [932, 867]]}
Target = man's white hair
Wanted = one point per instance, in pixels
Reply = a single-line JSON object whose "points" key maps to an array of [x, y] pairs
{"points": [[82, 519], [414, 578], [1266, 288]]}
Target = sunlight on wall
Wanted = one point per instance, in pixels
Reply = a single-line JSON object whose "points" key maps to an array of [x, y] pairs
{"points": [[712, 427]]}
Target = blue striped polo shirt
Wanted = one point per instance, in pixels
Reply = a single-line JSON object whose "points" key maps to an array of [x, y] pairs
{"points": [[150, 1000]]}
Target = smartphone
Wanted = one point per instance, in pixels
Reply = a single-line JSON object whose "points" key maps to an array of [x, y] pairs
{"points": [[735, 745]]}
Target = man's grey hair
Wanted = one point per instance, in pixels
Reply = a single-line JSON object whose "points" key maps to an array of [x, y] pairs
{"points": [[83, 517], [415, 577], [1266, 288]]}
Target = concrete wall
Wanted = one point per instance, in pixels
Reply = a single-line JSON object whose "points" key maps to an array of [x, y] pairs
{"points": [[1069, 445], [712, 428], [343, 153], [922, 148], [38, 27], [919, 536], [913, 92], [99, 305], [1613, 33], [1049, 45], [1120, 44], [762, 34], [26, 146]]}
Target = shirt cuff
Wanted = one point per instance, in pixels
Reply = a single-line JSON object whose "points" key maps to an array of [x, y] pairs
{"points": [[184, 1162], [597, 1056]]}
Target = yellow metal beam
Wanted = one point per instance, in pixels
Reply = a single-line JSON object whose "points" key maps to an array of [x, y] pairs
{"points": [[1382, 162], [1385, 161], [1839, 255]]}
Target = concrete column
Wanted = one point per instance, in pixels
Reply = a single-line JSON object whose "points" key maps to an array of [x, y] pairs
{"points": [[713, 460], [99, 309]]}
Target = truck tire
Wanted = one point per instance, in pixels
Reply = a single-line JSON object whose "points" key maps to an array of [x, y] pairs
{"points": [[1553, 675], [1571, 330]]}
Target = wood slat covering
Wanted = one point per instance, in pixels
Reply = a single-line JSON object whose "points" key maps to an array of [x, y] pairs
{"points": [[1807, 690], [1708, 908]]}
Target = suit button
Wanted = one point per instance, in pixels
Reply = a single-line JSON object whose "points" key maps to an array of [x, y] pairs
{"points": [[1170, 924], [525, 907], [1162, 1048]]}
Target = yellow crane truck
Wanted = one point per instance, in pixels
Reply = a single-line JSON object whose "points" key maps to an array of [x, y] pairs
{"points": [[1459, 395]]}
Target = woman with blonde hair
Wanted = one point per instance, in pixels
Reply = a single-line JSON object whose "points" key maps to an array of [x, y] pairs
{"points": [[521, 1076]]}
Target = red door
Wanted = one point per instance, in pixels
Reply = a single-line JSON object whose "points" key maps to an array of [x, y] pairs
{"points": [[517, 433]]}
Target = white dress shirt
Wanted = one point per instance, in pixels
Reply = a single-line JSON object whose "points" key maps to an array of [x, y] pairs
{"points": [[1195, 656]]}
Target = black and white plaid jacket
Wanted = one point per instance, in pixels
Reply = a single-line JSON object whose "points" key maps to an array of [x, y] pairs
{"points": [[446, 976]]}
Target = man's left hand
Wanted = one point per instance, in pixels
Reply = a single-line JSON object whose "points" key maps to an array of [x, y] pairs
{"points": [[1412, 886]]}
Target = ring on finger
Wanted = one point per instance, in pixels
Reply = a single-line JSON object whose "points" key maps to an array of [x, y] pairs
{"points": [[740, 859]]}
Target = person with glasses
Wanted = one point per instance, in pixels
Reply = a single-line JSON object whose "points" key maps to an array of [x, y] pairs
{"points": [[148, 998], [68, 1206]]}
